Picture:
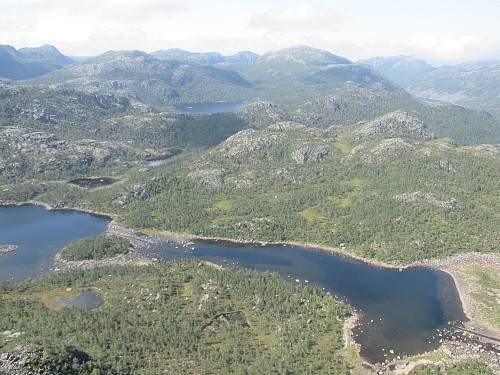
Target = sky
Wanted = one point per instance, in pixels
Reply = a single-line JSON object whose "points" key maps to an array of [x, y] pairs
{"points": [[438, 31]]}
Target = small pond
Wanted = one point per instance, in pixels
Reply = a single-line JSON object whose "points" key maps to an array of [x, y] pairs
{"points": [[209, 108], [83, 298], [93, 183]]}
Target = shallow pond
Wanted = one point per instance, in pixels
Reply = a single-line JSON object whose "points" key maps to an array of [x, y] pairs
{"points": [[83, 298]]}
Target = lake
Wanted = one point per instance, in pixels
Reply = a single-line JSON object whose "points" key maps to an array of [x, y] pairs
{"points": [[400, 310], [210, 108], [40, 235]]}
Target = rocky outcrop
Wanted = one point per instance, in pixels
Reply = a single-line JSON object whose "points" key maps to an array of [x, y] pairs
{"points": [[395, 122], [262, 113], [427, 199], [285, 126], [309, 154], [486, 151], [20, 361], [213, 178], [246, 142], [4, 249], [385, 150]]}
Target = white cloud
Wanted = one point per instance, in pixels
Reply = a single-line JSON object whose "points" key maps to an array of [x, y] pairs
{"points": [[130, 10], [450, 49], [302, 17], [356, 30]]}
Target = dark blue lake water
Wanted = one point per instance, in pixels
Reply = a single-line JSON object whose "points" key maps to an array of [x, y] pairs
{"points": [[210, 108], [40, 235], [401, 310]]}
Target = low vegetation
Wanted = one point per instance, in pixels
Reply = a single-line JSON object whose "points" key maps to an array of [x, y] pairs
{"points": [[486, 293], [467, 367]]}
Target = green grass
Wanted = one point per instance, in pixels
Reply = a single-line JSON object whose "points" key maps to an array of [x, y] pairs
{"points": [[488, 280], [310, 214]]}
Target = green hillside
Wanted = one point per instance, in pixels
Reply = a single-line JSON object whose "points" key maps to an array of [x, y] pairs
{"points": [[182, 317], [386, 188]]}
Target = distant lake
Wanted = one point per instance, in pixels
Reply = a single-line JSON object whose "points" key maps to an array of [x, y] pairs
{"points": [[401, 310], [93, 183], [40, 235], [210, 108]]}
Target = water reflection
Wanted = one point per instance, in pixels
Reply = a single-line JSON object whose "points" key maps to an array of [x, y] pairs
{"points": [[400, 311], [40, 235]]}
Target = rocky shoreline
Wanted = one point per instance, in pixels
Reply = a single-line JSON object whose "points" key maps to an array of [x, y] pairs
{"points": [[473, 340]]}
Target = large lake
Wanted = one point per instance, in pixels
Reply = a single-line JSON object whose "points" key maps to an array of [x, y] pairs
{"points": [[401, 310]]}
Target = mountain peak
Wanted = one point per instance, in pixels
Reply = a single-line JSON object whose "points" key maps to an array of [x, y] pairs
{"points": [[27, 63], [304, 55], [45, 52]]}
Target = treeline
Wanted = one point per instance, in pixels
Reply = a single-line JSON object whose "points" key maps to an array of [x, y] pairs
{"points": [[96, 247], [430, 200], [156, 320]]}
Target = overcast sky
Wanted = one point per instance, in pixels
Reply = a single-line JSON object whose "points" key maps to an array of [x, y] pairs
{"points": [[439, 31]]}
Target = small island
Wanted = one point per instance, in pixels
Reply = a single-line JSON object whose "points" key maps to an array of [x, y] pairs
{"points": [[4, 249], [96, 248]]}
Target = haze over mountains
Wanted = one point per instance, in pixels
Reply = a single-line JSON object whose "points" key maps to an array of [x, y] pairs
{"points": [[171, 76], [318, 150], [28, 63], [471, 84]]}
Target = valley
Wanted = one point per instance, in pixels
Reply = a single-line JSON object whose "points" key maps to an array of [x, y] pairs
{"points": [[326, 153]]}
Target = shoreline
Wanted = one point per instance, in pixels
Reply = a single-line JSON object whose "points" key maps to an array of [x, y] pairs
{"points": [[448, 265]]}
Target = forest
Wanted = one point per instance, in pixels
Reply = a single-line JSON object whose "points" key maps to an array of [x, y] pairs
{"points": [[176, 317], [96, 247]]}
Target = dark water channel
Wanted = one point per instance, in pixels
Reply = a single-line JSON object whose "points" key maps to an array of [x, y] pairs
{"points": [[400, 310], [93, 183]]}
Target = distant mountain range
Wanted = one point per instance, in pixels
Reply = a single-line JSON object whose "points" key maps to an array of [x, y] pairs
{"points": [[28, 63], [167, 77], [210, 58], [327, 151], [472, 84]]}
